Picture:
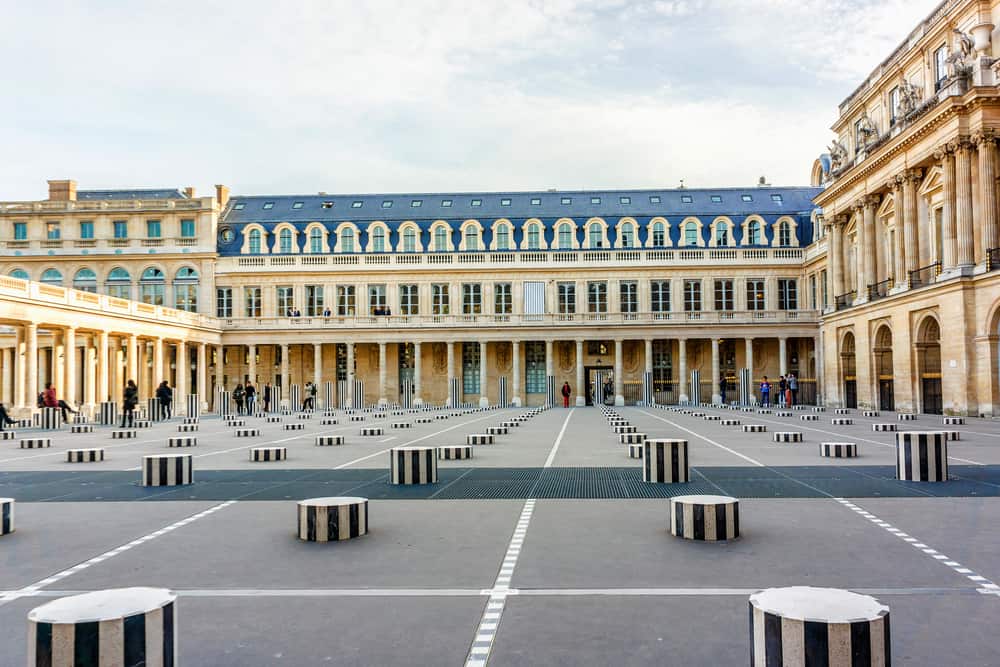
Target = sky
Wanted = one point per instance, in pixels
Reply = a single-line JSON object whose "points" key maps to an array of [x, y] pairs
{"points": [[429, 95]]}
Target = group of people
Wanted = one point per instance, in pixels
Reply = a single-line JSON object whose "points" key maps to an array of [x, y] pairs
{"points": [[788, 387], [381, 310], [130, 399]]}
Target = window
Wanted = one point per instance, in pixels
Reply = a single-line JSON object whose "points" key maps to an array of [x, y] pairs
{"points": [[52, 231], [628, 235], [595, 237], [565, 236], [597, 297], [940, 67], [20, 231], [753, 233], [471, 238], [378, 239], [660, 296], [788, 297], [440, 238], [416, 203], [533, 237], [505, 201], [223, 301], [722, 234], [285, 241], [446, 203], [298, 204], [153, 229], [252, 301], [724, 295], [716, 199], [472, 298], [357, 204], [503, 300], [687, 199], [315, 240], [536, 201], [254, 241], [692, 296], [315, 301], [812, 291], [470, 368], [624, 200], [120, 229], [347, 240], [893, 104], [859, 137], [20, 274], [151, 286], [566, 201], [534, 367], [659, 235], [566, 298], [387, 203], [747, 198], [628, 293], [345, 300], [654, 199], [662, 366], [268, 205], [409, 301], [503, 238], [823, 289], [186, 290], [85, 280], [439, 299], [477, 202], [691, 234], [784, 235], [755, 294], [187, 229], [377, 302], [409, 240], [595, 200], [285, 302], [119, 284], [776, 198], [239, 206]]}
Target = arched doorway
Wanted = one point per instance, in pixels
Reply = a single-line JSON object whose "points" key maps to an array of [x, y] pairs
{"points": [[929, 365], [883, 368], [848, 371]]}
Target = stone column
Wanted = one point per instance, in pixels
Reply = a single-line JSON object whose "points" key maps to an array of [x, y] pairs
{"points": [[183, 375], [57, 372], [418, 399], [949, 253], [103, 374], [484, 400], [836, 253], [351, 376], [515, 369], [8, 377], [581, 388], [20, 374], [619, 380], [716, 375], [202, 375], [220, 370], [648, 355], [749, 355], [157, 364], [549, 360], [911, 238], [252, 362], [782, 356], [866, 276], [117, 371], [986, 212], [818, 356], [683, 370], [285, 398], [132, 358], [963, 206], [31, 364], [318, 375], [90, 371], [69, 351], [382, 373], [898, 246], [452, 400]]}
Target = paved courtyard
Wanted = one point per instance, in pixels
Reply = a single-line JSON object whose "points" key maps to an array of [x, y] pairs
{"points": [[546, 548]]}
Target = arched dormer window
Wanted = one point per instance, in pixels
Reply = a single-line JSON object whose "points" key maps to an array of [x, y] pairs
{"points": [[378, 239], [254, 241], [315, 240], [596, 234], [659, 235], [502, 237], [285, 241], [627, 239], [347, 240], [85, 280], [409, 240], [472, 238], [753, 233], [534, 236], [565, 232], [690, 233], [784, 235], [722, 234], [441, 236]]}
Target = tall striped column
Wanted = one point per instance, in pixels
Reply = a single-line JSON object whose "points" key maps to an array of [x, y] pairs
{"points": [[295, 398], [342, 397], [550, 391], [406, 395], [154, 411], [600, 377], [502, 399], [328, 401], [276, 398], [359, 394], [51, 419], [109, 413], [695, 390], [456, 393], [745, 389], [223, 401], [193, 405], [6, 516], [647, 389], [922, 456]]}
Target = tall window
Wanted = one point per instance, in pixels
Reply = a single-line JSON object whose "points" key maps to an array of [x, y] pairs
{"points": [[120, 229], [315, 302], [440, 238], [470, 368], [223, 301], [755, 294], [285, 302], [567, 298], [254, 241], [252, 301], [565, 236], [628, 293], [722, 234], [347, 240], [940, 66], [153, 229], [472, 299], [20, 231], [377, 302], [628, 235], [533, 237], [893, 104], [409, 303], [859, 137], [187, 229], [503, 300], [52, 231], [503, 237], [119, 283], [345, 300], [660, 295], [86, 229], [186, 290], [691, 234], [471, 238], [788, 294], [724, 295], [341, 361], [659, 235], [534, 367], [812, 292], [439, 299], [595, 237], [597, 297], [753, 233], [784, 235], [315, 240], [85, 280], [151, 286], [824, 299], [409, 240], [378, 239], [285, 241], [692, 296]]}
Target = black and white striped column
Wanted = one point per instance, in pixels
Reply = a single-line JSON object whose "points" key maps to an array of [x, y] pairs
{"points": [[497, 430], [119, 627], [328, 402], [193, 405], [624, 428], [922, 456], [81, 428], [455, 452], [247, 432], [295, 397], [275, 398], [329, 440], [35, 443], [84, 455], [550, 390], [746, 393], [647, 389], [154, 411], [803, 625], [842, 421], [788, 436], [295, 426], [502, 400], [265, 454], [332, 519], [182, 441], [954, 421], [632, 438], [705, 518], [109, 413], [222, 403], [372, 430], [665, 461], [694, 389], [882, 428], [479, 439], [413, 465], [359, 394], [6, 516], [167, 470], [838, 450], [51, 419], [455, 395]]}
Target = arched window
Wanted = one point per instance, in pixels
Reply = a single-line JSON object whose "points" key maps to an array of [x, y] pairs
{"points": [[119, 283], [285, 241], [753, 233], [378, 240], [784, 235], [503, 237], [52, 277], [471, 238], [628, 235], [722, 234], [596, 239], [254, 241], [440, 238], [565, 236], [659, 235], [409, 240], [347, 240], [315, 240], [20, 273], [85, 280], [533, 237], [186, 290], [151, 286], [690, 234]]}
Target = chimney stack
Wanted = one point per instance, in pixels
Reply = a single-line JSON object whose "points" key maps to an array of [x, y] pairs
{"points": [[222, 195], [189, 192], [63, 190]]}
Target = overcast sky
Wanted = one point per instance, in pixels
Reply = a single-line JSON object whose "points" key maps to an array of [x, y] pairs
{"points": [[298, 97]]}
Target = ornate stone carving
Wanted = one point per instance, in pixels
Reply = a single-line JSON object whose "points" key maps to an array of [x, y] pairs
{"points": [[960, 58], [566, 356], [439, 354], [503, 357], [838, 156], [867, 129], [909, 99], [985, 135]]}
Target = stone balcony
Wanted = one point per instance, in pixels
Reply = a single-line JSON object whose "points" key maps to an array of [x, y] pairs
{"points": [[108, 246]]}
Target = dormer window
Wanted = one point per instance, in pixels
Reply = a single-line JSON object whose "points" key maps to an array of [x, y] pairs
{"points": [[299, 204], [357, 204], [505, 201], [686, 199], [268, 205], [326, 204]]}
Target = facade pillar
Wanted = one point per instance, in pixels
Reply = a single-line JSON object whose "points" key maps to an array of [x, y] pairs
{"points": [[90, 371], [868, 275], [132, 359], [782, 356], [352, 398], [8, 377], [899, 246], [418, 399], [69, 365], [103, 374], [452, 399], [251, 362], [820, 375], [285, 398], [182, 361], [157, 364], [949, 253], [117, 371], [964, 233], [619, 380], [484, 400], [58, 372], [911, 236], [20, 376], [31, 364], [837, 255], [986, 213], [202, 374], [549, 360], [749, 355], [515, 366], [220, 370], [682, 361], [318, 375], [716, 377], [382, 373], [581, 388]]}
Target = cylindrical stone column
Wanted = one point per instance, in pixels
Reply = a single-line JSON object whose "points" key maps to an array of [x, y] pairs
{"points": [[619, 373], [382, 373], [922, 456], [31, 363], [911, 237], [963, 205], [949, 253], [665, 461], [484, 359], [986, 212], [332, 519], [69, 366], [705, 518], [714, 380], [418, 388], [682, 396], [838, 450], [515, 372], [413, 465], [581, 387], [167, 470]]}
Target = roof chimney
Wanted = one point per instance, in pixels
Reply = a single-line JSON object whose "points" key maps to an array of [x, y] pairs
{"points": [[64, 190], [189, 192], [222, 195]]}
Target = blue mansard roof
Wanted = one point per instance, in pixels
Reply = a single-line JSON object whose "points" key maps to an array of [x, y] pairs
{"points": [[151, 193]]}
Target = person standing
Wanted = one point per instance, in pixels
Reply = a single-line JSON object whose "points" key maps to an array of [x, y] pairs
{"points": [[793, 388], [251, 394], [765, 393], [165, 395], [566, 391], [5, 418], [267, 397], [782, 386], [313, 390], [238, 396], [130, 398]]}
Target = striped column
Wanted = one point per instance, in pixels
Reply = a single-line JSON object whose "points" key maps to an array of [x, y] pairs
{"points": [[85, 455], [123, 626], [276, 398], [665, 461], [342, 397], [647, 389], [359, 394], [266, 454], [406, 395], [328, 401], [167, 470], [295, 397], [413, 465], [456, 393], [705, 518], [51, 419], [695, 390], [154, 411], [550, 391], [455, 452], [109, 413], [224, 403], [332, 519], [193, 406], [746, 394], [6, 516], [502, 400], [803, 625], [922, 456], [838, 450]]}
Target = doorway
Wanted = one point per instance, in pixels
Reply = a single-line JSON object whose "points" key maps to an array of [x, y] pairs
{"points": [[602, 374], [884, 369], [929, 366]]}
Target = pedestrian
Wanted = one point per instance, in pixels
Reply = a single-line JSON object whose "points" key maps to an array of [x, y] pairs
{"points": [[793, 389], [130, 398], [566, 391], [609, 391], [5, 418], [782, 386], [722, 386], [238, 395], [313, 390], [765, 393], [251, 394], [267, 397], [165, 395], [307, 401]]}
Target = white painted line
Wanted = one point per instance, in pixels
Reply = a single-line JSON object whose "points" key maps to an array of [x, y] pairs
{"points": [[708, 440], [555, 447]]}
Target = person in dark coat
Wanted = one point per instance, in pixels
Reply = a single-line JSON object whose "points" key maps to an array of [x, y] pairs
{"points": [[165, 395], [251, 394], [130, 399], [266, 392], [566, 391], [5, 418]]}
